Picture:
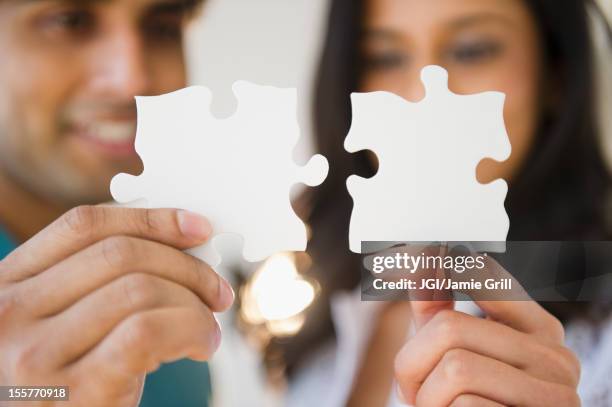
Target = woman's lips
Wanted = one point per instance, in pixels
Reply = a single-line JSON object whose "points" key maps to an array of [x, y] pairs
{"points": [[114, 139]]}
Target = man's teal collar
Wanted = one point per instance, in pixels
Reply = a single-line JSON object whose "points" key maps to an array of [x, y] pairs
{"points": [[7, 244]]}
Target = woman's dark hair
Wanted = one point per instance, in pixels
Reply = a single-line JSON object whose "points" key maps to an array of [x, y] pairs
{"points": [[559, 194]]}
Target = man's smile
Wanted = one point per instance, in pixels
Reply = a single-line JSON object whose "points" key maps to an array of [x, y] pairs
{"points": [[111, 138]]}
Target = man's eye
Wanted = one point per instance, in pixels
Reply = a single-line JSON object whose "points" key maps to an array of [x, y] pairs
{"points": [[383, 61], [79, 21], [473, 53], [165, 29]]}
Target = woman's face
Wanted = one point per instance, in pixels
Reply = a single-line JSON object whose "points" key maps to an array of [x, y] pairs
{"points": [[484, 44]]}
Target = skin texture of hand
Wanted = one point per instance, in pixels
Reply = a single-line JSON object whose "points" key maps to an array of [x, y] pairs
{"points": [[103, 296], [514, 357]]}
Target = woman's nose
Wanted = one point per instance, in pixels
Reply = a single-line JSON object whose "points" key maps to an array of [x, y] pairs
{"points": [[412, 87]]}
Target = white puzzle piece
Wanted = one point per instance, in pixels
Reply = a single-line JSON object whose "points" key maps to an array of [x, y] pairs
{"points": [[237, 172], [426, 188]]}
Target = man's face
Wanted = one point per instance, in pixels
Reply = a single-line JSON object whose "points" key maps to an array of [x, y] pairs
{"points": [[69, 72]]}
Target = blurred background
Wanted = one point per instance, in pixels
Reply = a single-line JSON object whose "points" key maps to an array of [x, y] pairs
{"points": [[278, 44]]}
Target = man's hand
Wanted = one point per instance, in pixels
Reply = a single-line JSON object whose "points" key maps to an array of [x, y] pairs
{"points": [[104, 295]]}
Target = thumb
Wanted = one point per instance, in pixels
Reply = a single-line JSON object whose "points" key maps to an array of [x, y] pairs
{"points": [[435, 300], [424, 311]]}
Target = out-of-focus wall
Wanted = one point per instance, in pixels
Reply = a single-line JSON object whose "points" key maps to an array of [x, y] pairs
{"points": [[604, 80], [607, 6], [269, 42]]}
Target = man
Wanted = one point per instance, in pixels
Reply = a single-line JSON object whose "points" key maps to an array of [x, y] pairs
{"points": [[102, 295]]}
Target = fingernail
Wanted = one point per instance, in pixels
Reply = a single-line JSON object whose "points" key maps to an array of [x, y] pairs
{"points": [[226, 293], [193, 225]]}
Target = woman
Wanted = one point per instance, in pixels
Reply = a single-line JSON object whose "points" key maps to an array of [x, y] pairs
{"points": [[539, 53]]}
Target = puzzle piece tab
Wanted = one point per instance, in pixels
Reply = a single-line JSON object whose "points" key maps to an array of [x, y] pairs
{"points": [[237, 172], [426, 188]]}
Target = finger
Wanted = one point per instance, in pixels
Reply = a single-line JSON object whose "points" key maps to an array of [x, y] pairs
{"points": [[63, 284], [424, 311], [450, 330], [472, 400], [85, 225], [524, 315], [95, 395], [144, 341], [464, 372], [105, 308]]}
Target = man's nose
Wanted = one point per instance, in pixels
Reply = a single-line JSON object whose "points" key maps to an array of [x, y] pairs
{"points": [[119, 65]]}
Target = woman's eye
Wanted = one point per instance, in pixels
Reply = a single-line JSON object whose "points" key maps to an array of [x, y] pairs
{"points": [[474, 53], [385, 60]]}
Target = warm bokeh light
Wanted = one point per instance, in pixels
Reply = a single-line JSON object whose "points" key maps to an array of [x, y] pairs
{"points": [[277, 295]]}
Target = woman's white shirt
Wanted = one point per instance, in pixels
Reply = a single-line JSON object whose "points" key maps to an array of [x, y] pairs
{"points": [[326, 379]]}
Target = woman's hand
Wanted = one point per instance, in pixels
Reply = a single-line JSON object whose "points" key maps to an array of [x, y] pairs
{"points": [[515, 357]]}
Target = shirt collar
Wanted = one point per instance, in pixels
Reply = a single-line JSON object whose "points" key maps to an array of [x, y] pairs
{"points": [[7, 244]]}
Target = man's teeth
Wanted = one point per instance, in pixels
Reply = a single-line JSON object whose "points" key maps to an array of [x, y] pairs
{"points": [[112, 132]]}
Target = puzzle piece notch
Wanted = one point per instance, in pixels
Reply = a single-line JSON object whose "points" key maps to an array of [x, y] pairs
{"points": [[314, 172], [428, 153], [245, 180], [166, 115]]}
